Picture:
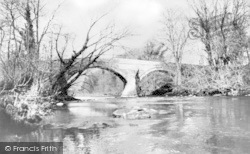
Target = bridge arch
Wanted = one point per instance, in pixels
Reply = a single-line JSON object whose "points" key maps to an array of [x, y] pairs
{"points": [[126, 70], [144, 74], [74, 72], [123, 79], [156, 82]]}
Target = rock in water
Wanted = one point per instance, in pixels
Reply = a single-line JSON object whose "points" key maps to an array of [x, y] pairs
{"points": [[134, 113], [60, 104], [138, 115], [119, 113]]}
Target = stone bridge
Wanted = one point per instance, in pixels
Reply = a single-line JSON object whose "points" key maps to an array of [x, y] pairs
{"points": [[126, 70]]}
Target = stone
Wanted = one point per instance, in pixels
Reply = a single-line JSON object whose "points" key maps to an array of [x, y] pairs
{"points": [[138, 115], [134, 113], [100, 125], [60, 104], [120, 113]]}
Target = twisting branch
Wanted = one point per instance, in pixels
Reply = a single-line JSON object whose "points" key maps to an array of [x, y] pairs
{"points": [[60, 56], [92, 49]]}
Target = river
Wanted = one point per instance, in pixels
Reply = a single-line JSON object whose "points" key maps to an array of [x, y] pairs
{"points": [[182, 125]]}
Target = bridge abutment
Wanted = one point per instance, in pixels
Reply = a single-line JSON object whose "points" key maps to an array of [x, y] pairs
{"points": [[130, 87]]}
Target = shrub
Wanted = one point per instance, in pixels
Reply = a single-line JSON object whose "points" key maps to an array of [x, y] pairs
{"points": [[208, 79]]}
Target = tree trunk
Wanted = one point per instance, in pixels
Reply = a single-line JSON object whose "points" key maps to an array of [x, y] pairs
{"points": [[59, 85], [178, 74], [209, 53]]}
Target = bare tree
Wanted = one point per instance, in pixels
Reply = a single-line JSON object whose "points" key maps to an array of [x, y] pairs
{"points": [[221, 26], [85, 58], [175, 36], [22, 37], [153, 51]]}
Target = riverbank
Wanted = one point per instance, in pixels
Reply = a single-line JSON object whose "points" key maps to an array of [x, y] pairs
{"points": [[29, 107], [208, 92]]}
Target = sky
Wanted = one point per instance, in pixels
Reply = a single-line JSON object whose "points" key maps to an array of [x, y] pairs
{"points": [[141, 17]]}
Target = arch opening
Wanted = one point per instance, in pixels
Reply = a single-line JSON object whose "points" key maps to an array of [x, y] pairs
{"points": [[156, 83], [115, 73], [100, 81]]}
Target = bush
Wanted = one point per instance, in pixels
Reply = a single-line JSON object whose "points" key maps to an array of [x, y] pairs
{"points": [[208, 80], [29, 107]]}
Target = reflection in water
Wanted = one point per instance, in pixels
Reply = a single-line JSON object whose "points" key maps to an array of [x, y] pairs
{"points": [[10, 130], [215, 125], [75, 140], [199, 125]]}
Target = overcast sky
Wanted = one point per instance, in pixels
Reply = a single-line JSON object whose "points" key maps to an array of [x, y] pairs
{"points": [[141, 16]]}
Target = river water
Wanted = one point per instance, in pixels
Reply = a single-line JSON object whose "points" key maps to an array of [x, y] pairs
{"points": [[182, 125]]}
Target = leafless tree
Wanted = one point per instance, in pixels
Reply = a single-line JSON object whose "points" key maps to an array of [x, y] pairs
{"points": [[94, 46], [175, 36], [221, 26], [21, 38], [154, 51]]}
